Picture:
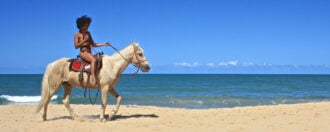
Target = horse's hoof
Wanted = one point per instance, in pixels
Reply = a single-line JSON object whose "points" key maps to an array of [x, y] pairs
{"points": [[44, 118], [103, 120], [110, 116], [73, 116]]}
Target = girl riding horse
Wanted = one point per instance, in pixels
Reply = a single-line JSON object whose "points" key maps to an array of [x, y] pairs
{"points": [[83, 40]]}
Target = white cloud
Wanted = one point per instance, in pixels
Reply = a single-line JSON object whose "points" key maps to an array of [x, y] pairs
{"points": [[267, 64], [222, 64], [229, 63], [247, 64], [237, 64], [233, 63], [211, 65], [186, 64]]}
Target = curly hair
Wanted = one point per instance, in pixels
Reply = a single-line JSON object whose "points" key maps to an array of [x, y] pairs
{"points": [[81, 21]]}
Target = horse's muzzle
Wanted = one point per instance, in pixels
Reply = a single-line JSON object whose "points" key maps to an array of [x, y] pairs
{"points": [[145, 68]]}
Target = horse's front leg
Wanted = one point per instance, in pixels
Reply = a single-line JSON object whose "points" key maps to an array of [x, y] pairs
{"points": [[105, 90], [118, 97]]}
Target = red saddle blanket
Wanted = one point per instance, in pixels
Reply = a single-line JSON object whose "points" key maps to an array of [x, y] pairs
{"points": [[80, 64]]}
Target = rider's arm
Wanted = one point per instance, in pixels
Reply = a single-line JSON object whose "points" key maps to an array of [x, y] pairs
{"points": [[78, 44], [98, 44], [101, 44]]}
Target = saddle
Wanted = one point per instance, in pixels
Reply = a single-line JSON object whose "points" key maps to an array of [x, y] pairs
{"points": [[80, 65]]}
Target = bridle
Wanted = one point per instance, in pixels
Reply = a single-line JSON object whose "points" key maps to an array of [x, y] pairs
{"points": [[137, 64]]}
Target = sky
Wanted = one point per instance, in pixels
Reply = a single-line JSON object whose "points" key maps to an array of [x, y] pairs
{"points": [[178, 36]]}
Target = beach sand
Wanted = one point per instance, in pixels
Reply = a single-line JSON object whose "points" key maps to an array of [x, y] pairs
{"points": [[280, 118]]}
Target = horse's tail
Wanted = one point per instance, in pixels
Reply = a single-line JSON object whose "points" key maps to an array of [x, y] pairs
{"points": [[45, 89]]}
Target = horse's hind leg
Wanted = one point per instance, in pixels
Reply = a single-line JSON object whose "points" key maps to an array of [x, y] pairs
{"points": [[51, 93], [66, 98], [44, 114], [118, 97]]}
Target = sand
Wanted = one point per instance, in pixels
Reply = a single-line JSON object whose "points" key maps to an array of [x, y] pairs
{"points": [[313, 117]]}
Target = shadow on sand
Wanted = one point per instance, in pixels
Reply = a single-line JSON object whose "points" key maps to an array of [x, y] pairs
{"points": [[60, 118], [119, 117], [96, 117]]}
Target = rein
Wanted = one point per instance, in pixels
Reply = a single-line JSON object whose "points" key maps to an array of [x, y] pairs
{"points": [[119, 53]]}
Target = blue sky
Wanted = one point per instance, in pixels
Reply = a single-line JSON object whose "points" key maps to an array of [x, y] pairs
{"points": [[178, 36]]}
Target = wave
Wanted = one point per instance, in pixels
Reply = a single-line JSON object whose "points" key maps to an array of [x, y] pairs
{"points": [[24, 99]]}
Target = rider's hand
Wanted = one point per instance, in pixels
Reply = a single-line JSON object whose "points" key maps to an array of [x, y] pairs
{"points": [[106, 44], [85, 40]]}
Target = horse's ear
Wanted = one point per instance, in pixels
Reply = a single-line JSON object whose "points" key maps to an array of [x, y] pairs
{"points": [[136, 44]]}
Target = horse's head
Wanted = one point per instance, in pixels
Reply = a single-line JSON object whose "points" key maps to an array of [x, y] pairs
{"points": [[139, 59]]}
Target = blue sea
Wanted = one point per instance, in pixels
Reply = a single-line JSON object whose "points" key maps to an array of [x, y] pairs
{"points": [[196, 91]]}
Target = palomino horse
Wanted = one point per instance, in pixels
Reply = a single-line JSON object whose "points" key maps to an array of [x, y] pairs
{"points": [[58, 74]]}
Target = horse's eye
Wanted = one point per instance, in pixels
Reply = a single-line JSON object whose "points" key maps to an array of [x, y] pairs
{"points": [[140, 54]]}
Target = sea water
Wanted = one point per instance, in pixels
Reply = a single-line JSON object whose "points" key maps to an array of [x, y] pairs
{"points": [[183, 90]]}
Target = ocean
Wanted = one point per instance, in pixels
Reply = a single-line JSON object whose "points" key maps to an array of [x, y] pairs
{"points": [[192, 91]]}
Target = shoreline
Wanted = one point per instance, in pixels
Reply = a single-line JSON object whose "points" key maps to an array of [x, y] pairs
{"points": [[204, 102], [292, 117]]}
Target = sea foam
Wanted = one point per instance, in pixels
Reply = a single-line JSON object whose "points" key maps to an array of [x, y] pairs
{"points": [[24, 99]]}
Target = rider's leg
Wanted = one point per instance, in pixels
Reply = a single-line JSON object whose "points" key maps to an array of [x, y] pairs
{"points": [[90, 58]]}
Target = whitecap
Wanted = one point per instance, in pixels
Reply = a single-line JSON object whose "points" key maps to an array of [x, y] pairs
{"points": [[24, 99], [199, 102]]}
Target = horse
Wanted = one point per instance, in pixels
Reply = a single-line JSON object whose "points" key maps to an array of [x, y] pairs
{"points": [[58, 74]]}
